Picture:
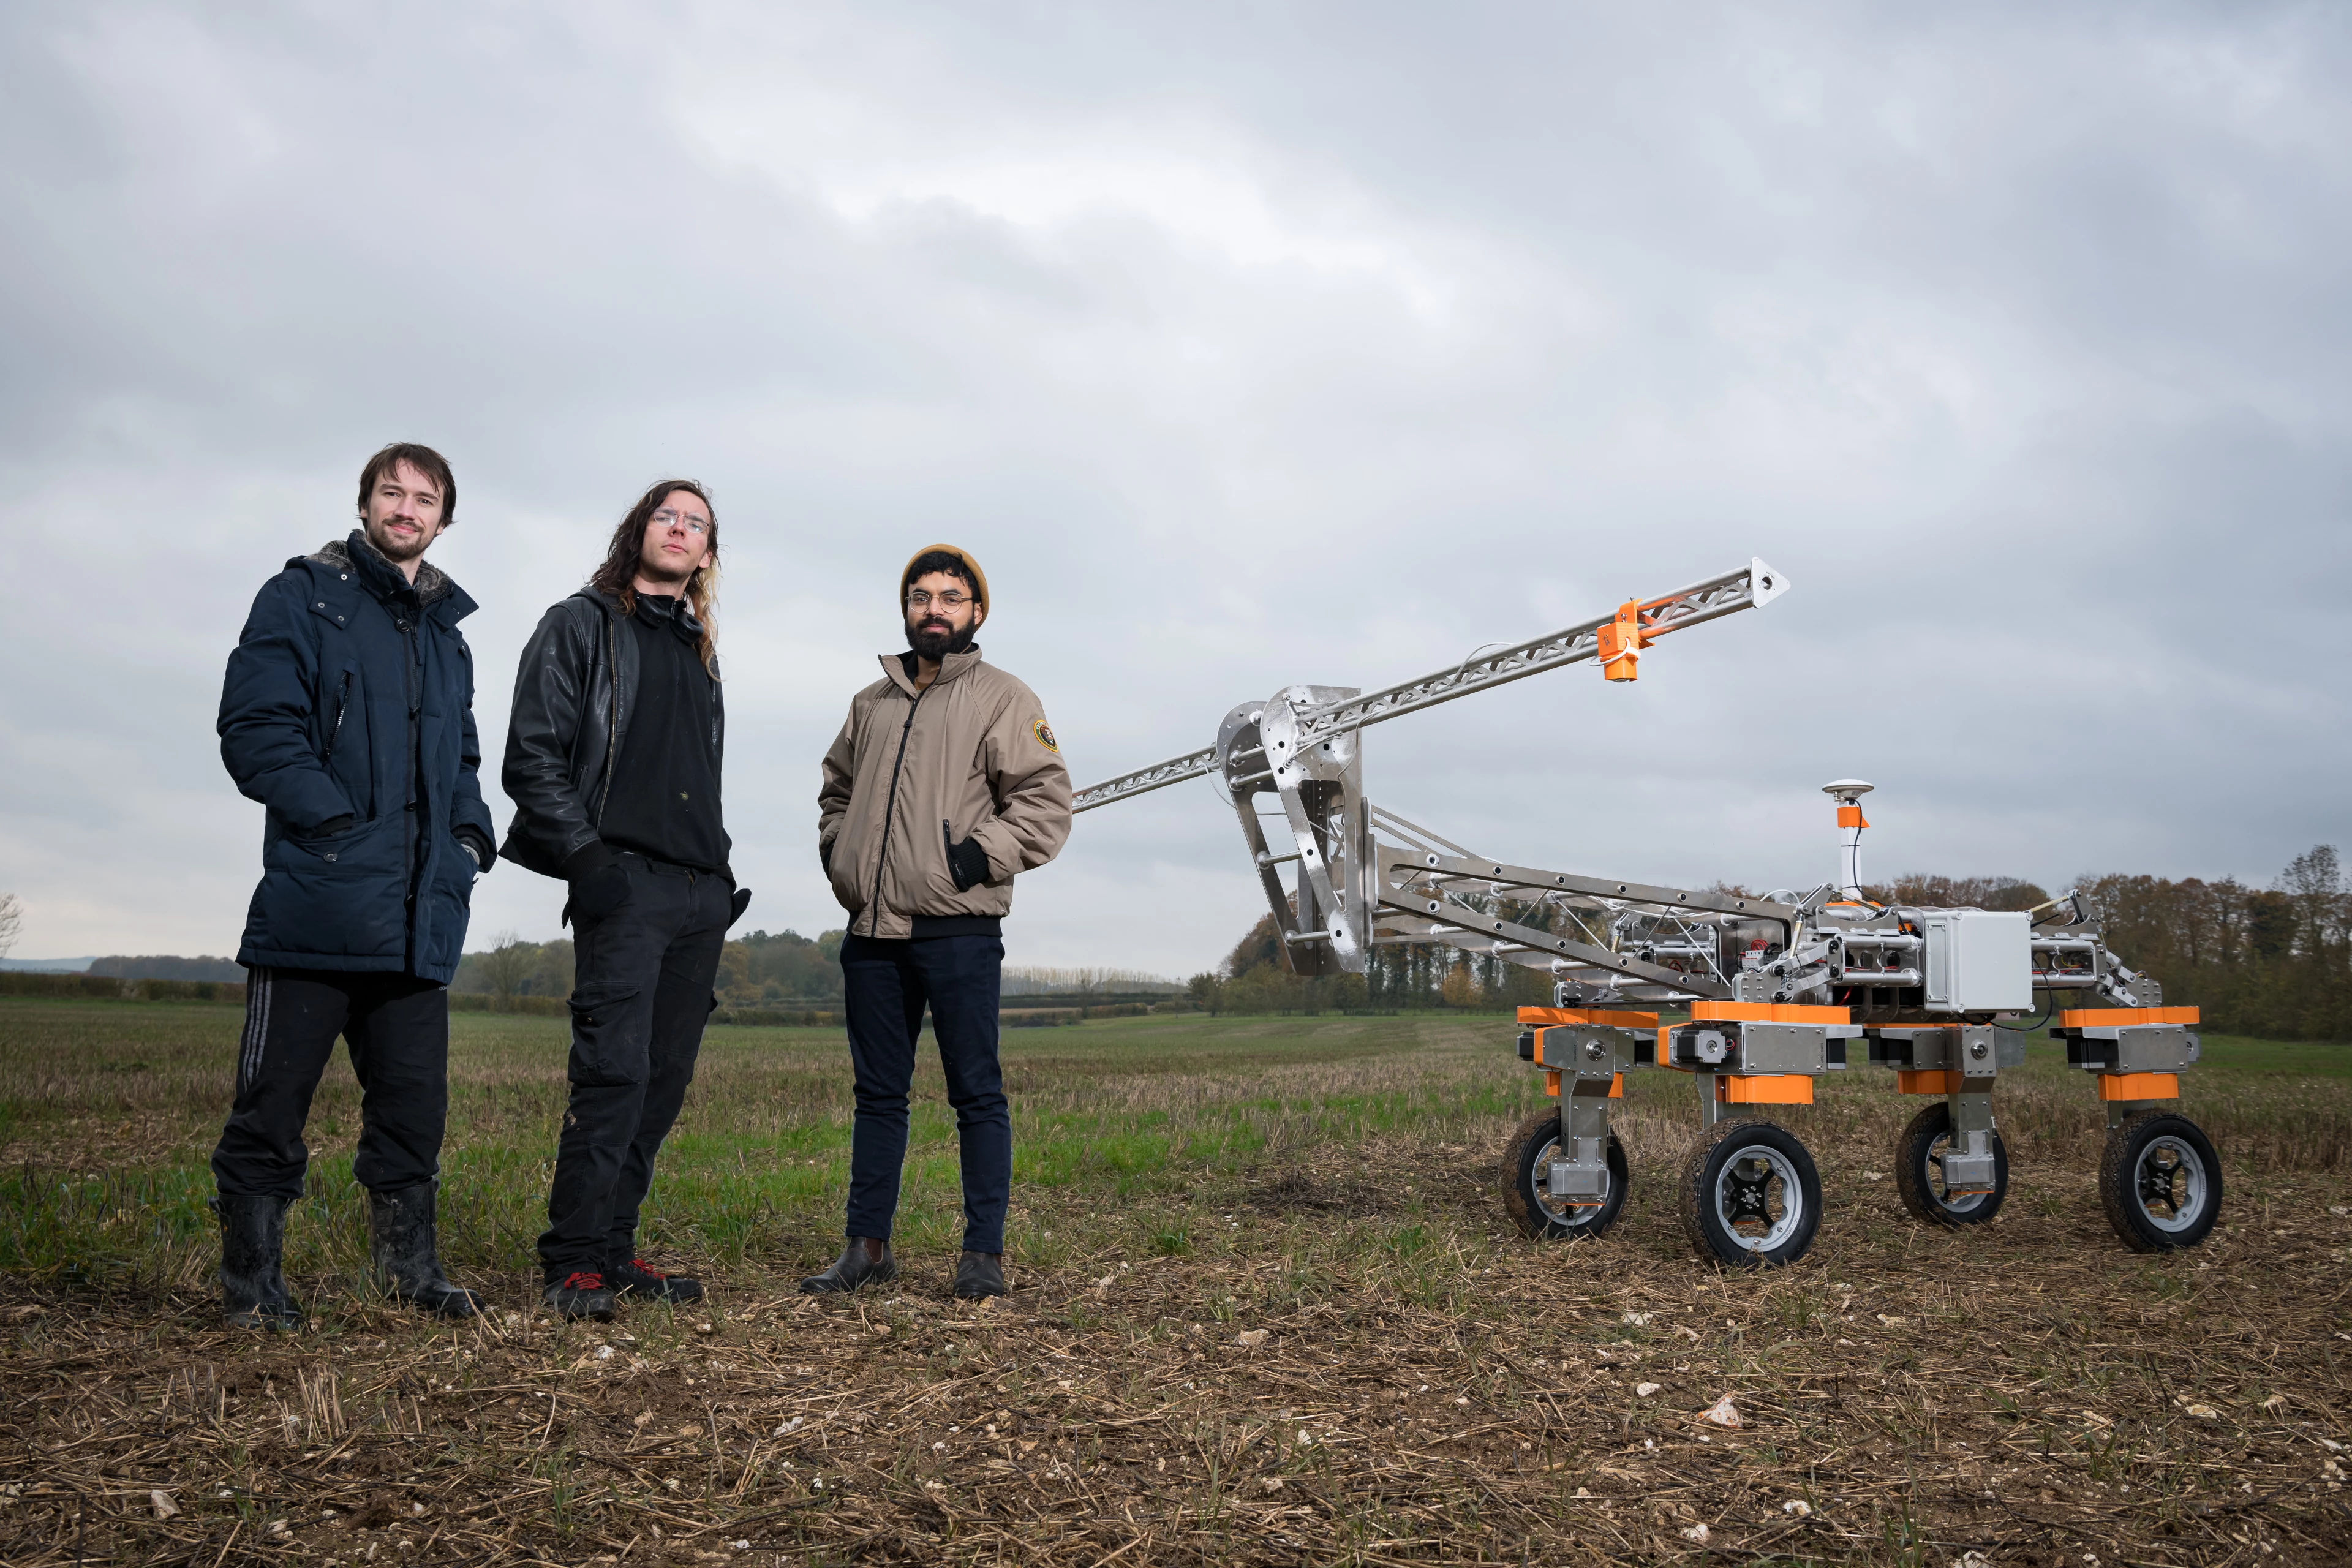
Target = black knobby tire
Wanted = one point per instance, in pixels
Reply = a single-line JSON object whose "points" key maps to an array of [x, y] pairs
{"points": [[1918, 1172], [1750, 1195], [1527, 1185], [2160, 1182]]}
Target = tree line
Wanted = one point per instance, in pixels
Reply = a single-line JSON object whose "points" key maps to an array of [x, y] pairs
{"points": [[761, 970], [780, 969], [2273, 962]]}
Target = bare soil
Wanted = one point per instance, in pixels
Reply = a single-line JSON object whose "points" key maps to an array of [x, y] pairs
{"points": [[1363, 1369]]}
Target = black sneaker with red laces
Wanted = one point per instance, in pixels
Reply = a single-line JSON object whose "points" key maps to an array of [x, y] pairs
{"points": [[638, 1277], [581, 1295]]}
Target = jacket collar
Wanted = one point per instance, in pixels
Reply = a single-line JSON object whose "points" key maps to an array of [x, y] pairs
{"points": [[673, 612], [894, 665], [686, 617], [434, 592]]}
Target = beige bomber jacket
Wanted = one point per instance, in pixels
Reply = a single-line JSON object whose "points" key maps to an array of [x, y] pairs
{"points": [[969, 757]]}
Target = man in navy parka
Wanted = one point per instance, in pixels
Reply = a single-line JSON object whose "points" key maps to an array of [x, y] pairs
{"points": [[348, 711]]}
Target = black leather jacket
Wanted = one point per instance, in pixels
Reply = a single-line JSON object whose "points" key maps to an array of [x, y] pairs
{"points": [[574, 692]]}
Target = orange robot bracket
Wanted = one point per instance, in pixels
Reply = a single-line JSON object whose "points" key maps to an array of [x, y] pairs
{"points": [[1591, 1017], [2123, 1017], [2139, 1085], [1780, 1089]]}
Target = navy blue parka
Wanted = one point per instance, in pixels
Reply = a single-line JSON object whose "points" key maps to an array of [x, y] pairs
{"points": [[351, 694]]}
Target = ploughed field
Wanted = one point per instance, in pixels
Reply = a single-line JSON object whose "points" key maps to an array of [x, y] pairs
{"points": [[1266, 1308]]}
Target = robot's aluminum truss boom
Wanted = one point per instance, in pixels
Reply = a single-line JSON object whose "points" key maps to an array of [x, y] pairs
{"points": [[1350, 892], [1613, 638]]}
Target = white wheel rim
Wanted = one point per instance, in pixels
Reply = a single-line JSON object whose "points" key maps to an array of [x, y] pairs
{"points": [[1965, 1203], [2170, 1166], [1560, 1211], [1755, 1180]]}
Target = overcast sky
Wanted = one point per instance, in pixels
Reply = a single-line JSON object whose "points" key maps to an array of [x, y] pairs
{"points": [[1244, 345]]}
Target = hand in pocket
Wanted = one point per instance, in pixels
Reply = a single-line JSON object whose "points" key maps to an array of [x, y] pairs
{"points": [[599, 882], [967, 861]]}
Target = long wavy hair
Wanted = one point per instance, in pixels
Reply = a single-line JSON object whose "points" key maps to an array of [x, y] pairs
{"points": [[618, 574]]}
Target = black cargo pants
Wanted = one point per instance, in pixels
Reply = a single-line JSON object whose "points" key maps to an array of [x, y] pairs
{"points": [[641, 995], [396, 1028]]}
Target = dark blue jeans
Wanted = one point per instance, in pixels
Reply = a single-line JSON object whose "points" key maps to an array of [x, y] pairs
{"points": [[886, 986]]}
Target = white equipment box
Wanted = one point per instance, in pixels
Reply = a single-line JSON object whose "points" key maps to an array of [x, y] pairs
{"points": [[1979, 961]]}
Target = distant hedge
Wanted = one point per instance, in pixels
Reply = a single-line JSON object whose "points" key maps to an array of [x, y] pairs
{"points": [[1054, 1018], [477, 1001], [108, 988], [122, 966], [1010, 1017]]}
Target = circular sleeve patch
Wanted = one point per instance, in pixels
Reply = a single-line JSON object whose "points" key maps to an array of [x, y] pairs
{"points": [[1044, 734]]}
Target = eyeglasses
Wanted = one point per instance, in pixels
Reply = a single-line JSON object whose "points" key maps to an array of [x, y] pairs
{"points": [[950, 600], [667, 518]]}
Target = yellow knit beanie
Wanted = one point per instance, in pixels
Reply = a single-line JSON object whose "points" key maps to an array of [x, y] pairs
{"points": [[979, 578]]}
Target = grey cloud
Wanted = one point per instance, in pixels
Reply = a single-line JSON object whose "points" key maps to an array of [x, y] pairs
{"points": [[1245, 348]]}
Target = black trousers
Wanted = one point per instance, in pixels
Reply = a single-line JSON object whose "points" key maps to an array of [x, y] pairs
{"points": [[885, 985], [396, 1028], [641, 995]]}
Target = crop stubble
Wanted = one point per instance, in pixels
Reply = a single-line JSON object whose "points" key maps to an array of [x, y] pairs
{"points": [[1427, 1388]]}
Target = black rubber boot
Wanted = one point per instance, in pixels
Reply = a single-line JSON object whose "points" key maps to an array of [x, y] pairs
{"points": [[637, 1277], [403, 1245], [865, 1261], [979, 1275], [253, 1245]]}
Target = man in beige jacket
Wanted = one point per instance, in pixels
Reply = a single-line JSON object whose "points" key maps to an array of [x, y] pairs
{"points": [[944, 783]]}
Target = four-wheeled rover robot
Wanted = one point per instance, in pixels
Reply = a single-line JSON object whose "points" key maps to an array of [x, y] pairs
{"points": [[1778, 988]]}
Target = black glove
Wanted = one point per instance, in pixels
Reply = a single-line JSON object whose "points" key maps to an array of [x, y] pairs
{"points": [[329, 828], [600, 883], [967, 861], [477, 844], [737, 904]]}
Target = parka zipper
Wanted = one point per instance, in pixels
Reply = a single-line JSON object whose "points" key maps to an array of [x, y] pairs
{"points": [[342, 703], [889, 809], [413, 803]]}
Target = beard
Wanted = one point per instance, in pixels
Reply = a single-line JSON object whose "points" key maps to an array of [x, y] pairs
{"points": [[394, 550], [935, 640]]}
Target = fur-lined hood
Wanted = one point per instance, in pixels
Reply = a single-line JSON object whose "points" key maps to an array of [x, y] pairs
{"points": [[342, 554]]}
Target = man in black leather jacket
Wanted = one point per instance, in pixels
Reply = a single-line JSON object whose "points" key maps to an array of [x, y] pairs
{"points": [[613, 761]]}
